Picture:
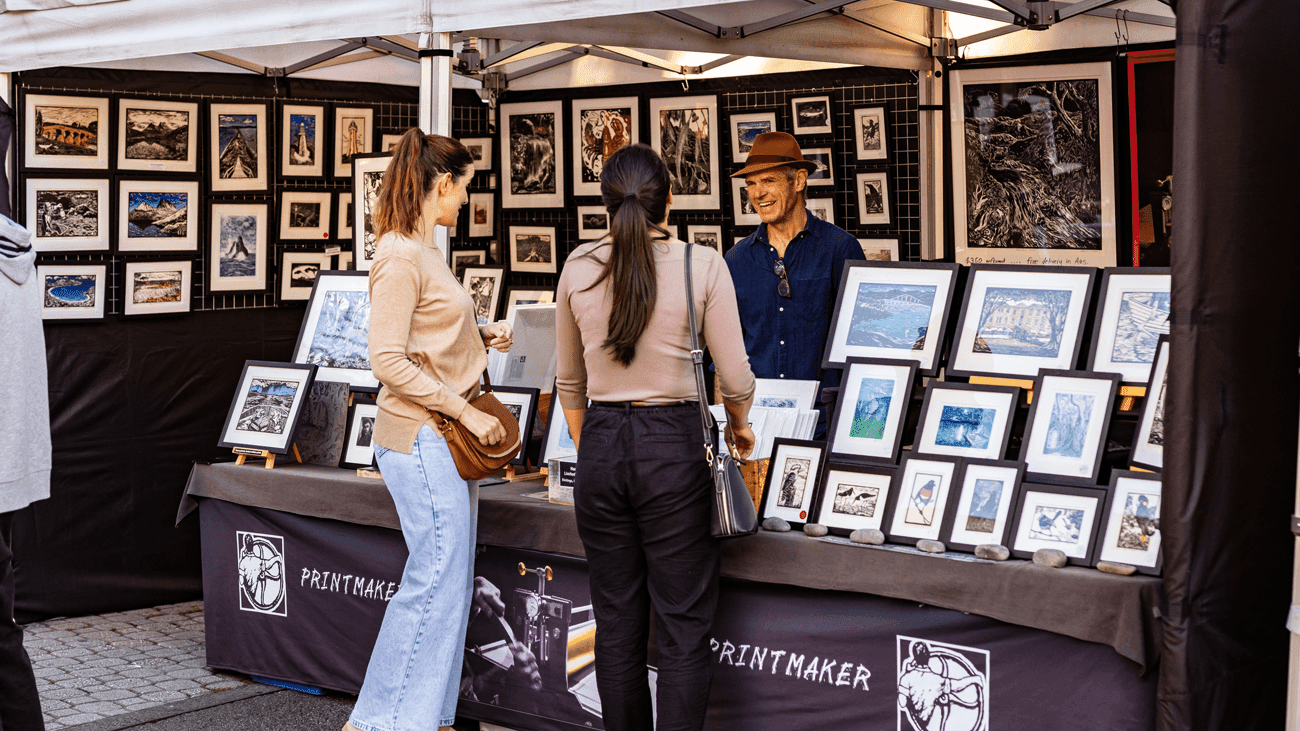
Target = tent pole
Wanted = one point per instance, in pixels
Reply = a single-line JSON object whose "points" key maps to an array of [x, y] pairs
{"points": [[435, 103]]}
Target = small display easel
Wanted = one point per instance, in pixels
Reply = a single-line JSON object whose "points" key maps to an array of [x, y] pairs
{"points": [[243, 453], [1025, 384], [520, 473], [1128, 396]]}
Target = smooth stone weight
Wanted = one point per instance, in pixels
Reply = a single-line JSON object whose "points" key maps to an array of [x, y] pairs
{"points": [[1051, 557], [929, 546], [776, 525], [992, 552], [816, 530], [870, 537], [1122, 569]]}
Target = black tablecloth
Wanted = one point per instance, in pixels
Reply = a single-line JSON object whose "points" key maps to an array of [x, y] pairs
{"points": [[1081, 603]]}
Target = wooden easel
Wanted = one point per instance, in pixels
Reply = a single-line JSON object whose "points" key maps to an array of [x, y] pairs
{"points": [[1027, 385], [1129, 395], [516, 473], [243, 453]]}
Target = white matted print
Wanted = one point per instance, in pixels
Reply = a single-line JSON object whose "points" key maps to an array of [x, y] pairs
{"points": [[870, 140], [68, 215], [781, 393], [157, 136], [480, 148], [66, 132], [745, 128], [1130, 529], [238, 146], [823, 208], [920, 494], [853, 498], [823, 158], [966, 420], [872, 408], [305, 215], [461, 258], [593, 222], [157, 215], [812, 115], [1066, 432], [367, 176], [156, 287], [710, 236], [72, 291], [743, 212], [532, 155], [1149, 440], [873, 198], [879, 249], [268, 400], [1051, 516], [335, 333], [1132, 315], [484, 285], [684, 131], [792, 478], [354, 132], [298, 270], [345, 214], [600, 128], [237, 255], [517, 297], [388, 142], [982, 508], [481, 214], [359, 445], [301, 148], [532, 249]]}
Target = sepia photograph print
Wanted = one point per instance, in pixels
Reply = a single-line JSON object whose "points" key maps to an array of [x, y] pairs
{"points": [[480, 148], [156, 287], [879, 249], [533, 249], [746, 127], [267, 405], [867, 423], [237, 257], [683, 130], [984, 495], [66, 132], [1149, 439], [710, 236], [1132, 314], [593, 222], [157, 136], [1130, 522], [301, 138], [1065, 435], [238, 147], [1057, 516], [481, 215], [812, 115], [532, 150], [484, 284], [966, 420], [335, 332], [354, 134], [305, 215], [919, 497], [72, 291], [68, 215], [155, 215], [852, 497], [793, 476], [822, 158], [298, 270], [870, 126], [600, 128], [873, 199]]}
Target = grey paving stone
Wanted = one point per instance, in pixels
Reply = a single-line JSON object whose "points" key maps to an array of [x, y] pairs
{"points": [[85, 672], [103, 708], [125, 683], [113, 694], [176, 685], [77, 683], [64, 713], [187, 673], [103, 662], [73, 652], [48, 705], [54, 661], [63, 694], [45, 672], [142, 672], [80, 718], [165, 696]]}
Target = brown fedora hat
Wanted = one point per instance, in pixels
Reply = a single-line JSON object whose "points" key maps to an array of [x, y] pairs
{"points": [[774, 150]]}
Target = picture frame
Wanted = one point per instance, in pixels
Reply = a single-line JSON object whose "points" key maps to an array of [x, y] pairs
{"points": [[1017, 320], [343, 261], [1065, 435], [480, 148], [484, 286], [1064, 517], [593, 222], [155, 287], [1132, 313], [237, 145], [823, 208], [344, 215], [705, 235], [852, 497], [354, 134], [918, 498], [238, 246], [522, 402], [302, 138], [267, 404], [516, 296], [157, 136], [532, 154], [461, 258], [742, 212], [824, 158], [367, 176], [335, 331], [793, 476], [600, 128], [482, 215], [986, 493], [557, 441], [874, 199], [688, 124], [880, 249], [746, 127], [66, 131], [812, 115], [970, 420], [781, 393], [1149, 438], [868, 419], [871, 133], [1078, 179], [388, 142], [66, 215], [533, 249], [305, 215], [909, 302], [358, 437], [1130, 523], [298, 271], [157, 216], [73, 290]]}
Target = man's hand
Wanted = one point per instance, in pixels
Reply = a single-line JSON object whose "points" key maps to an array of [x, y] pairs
{"points": [[487, 598], [497, 335]]}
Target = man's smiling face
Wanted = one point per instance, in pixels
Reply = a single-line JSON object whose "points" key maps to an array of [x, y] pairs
{"points": [[774, 195]]}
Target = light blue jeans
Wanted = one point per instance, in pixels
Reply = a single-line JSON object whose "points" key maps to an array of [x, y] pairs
{"points": [[414, 674]]}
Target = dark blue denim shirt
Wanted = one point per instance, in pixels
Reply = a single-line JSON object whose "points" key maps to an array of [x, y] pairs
{"points": [[785, 338]]}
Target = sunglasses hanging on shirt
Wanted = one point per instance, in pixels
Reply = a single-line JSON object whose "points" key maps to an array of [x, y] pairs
{"points": [[783, 286]]}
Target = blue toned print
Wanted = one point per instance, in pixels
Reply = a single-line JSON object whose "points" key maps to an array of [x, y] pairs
{"points": [[1021, 321], [966, 427], [872, 410], [891, 315], [1068, 429], [1143, 318], [983, 514], [238, 246], [157, 215]]}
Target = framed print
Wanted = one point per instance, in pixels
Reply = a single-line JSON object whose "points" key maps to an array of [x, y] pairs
{"points": [[1130, 522], [481, 214], [1149, 439], [875, 394], [823, 208], [268, 401], [746, 127], [388, 142], [558, 440], [1132, 314], [156, 287], [879, 249], [344, 260], [1017, 320], [335, 332], [822, 157], [600, 128], [1057, 516], [237, 254], [301, 151], [345, 215], [919, 497], [873, 198], [1065, 435], [743, 212], [304, 215], [812, 115], [367, 176], [68, 215], [238, 146], [358, 440], [298, 270], [780, 393], [532, 155], [154, 215], [72, 291], [981, 510], [593, 222], [461, 258], [870, 125], [480, 148], [157, 136], [516, 297], [891, 310], [65, 132], [484, 286], [792, 478], [532, 249], [710, 236], [522, 402], [684, 131], [1061, 147], [354, 132], [852, 497], [966, 420]]}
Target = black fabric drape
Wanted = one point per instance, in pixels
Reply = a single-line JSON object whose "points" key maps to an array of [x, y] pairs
{"points": [[1230, 466], [6, 131]]}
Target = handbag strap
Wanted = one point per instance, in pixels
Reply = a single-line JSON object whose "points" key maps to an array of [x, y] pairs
{"points": [[697, 357]]}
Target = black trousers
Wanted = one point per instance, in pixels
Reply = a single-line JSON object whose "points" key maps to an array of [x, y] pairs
{"points": [[642, 503], [20, 706]]}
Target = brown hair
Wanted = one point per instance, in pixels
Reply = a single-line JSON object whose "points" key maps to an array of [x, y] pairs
{"points": [[634, 184], [418, 161]]}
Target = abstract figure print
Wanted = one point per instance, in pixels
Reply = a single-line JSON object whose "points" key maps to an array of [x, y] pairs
{"points": [[872, 409], [1067, 431], [604, 132]]}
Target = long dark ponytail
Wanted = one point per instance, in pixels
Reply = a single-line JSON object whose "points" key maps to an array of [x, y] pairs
{"points": [[418, 161], [634, 184]]}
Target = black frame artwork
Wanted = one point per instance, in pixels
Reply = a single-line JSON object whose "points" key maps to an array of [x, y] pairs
{"points": [[1111, 275], [348, 433], [262, 151], [497, 289], [1152, 406], [360, 206], [1103, 410], [1099, 493], [354, 376], [766, 508], [320, 142], [105, 157], [1003, 440], [74, 312], [527, 416], [821, 515], [1010, 498], [212, 255], [842, 410], [303, 393], [896, 495], [1153, 568]]}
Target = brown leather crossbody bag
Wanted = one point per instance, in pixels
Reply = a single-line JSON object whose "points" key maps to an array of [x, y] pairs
{"points": [[473, 460]]}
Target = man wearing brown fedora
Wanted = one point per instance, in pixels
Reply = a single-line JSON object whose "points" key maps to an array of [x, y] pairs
{"points": [[787, 272]]}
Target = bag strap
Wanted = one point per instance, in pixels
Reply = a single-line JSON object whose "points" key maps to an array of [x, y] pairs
{"points": [[697, 358]]}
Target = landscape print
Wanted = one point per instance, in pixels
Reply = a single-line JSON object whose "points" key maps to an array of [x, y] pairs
{"points": [[157, 215], [1143, 318], [342, 332], [532, 154], [793, 482], [238, 145], [1139, 522], [923, 498], [67, 213], [893, 316], [965, 427], [156, 287], [747, 131], [859, 500], [872, 409], [70, 290], [157, 134], [535, 248], [1019, 321], [302, 150], [267, 406], [684, 139], [302, 275], [983, 515], [1067, 431], [1059, 525], [67, 130], [603, 132], [238, 246]]}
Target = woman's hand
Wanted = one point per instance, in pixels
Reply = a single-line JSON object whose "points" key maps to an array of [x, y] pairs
{"points": [[486, 427], [497, 335], [741, 440]]}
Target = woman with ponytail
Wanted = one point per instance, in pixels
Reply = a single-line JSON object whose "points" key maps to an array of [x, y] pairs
{"points": [[644, 489], [428, 351]]}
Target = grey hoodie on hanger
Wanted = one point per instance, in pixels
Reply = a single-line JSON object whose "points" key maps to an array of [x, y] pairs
{"points": [[24, 393]]}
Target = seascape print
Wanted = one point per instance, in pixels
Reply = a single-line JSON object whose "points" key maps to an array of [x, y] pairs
{"points": [[1020, 321], [238, 246], [267, 405], [1143, 318], [302, 275], [891, 315], [965, 427], [342, 332]]}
